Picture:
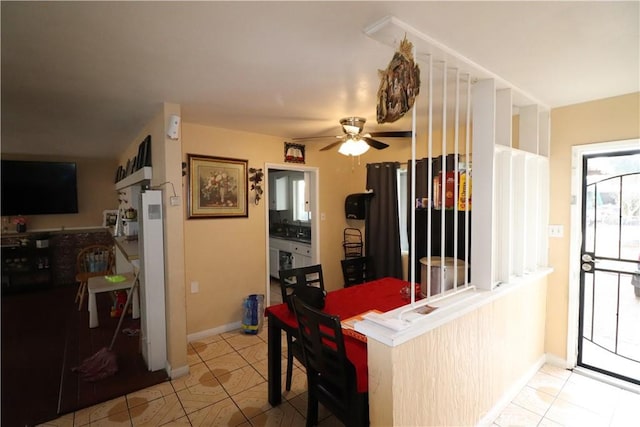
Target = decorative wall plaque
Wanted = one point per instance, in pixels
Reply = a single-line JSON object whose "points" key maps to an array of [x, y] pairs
{"points": [[399, 85], [293, 153]]}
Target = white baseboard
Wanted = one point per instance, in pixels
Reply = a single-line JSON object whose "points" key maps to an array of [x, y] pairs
{"points": [[177, 372], [558, 361], [510, 394], [214, 331]]}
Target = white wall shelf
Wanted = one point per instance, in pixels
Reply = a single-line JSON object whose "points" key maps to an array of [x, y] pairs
{"points": [[144, 174]]}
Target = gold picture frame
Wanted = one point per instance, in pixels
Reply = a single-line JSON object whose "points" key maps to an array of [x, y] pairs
{"points": [[217, 187]]}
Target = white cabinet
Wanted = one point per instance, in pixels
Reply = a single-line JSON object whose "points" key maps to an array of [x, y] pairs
{"points": [[301, 254], [280, 249], [276, 248], [301, 261], [274, 262], [278, 191]]}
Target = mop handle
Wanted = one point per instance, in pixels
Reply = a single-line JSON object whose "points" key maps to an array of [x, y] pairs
{"points": [[126, 306]]}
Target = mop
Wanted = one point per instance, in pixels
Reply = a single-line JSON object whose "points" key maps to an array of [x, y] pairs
{"points": [[104, 363]]}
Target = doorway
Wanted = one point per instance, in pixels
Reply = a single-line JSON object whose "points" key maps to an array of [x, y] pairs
{"points": [[300, 210], [608, 337]]}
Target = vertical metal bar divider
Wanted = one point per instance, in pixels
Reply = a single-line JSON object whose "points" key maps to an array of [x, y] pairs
{"points": [[412, 261], [443, 176], [427, 292], [456, 152], [467, 183]]}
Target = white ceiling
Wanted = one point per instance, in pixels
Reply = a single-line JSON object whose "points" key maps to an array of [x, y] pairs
{"points": [[82, 78]]}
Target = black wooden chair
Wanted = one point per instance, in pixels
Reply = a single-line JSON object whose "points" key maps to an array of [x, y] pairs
{"points": [[289, 279], [331, 377], [357, 270]]}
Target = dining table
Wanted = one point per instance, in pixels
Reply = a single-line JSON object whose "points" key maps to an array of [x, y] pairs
{"points": [[382, 294]]}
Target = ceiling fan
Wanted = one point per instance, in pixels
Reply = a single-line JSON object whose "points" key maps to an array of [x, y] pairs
{"points": [[353, 141]]}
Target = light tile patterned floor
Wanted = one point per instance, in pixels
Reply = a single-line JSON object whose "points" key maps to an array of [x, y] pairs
{"points": [[558, 397], [227, 386]]}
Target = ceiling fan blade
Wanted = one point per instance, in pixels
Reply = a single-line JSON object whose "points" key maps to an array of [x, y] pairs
{"points": [[304, 138], [375, 143], [392, 134], [330, 146]]}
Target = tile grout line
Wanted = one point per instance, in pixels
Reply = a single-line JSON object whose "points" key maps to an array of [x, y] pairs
{"points": [[555, 398]]}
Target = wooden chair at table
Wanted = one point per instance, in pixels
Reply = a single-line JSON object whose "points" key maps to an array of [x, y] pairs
{"points": [[357, 270], [331, 377], [309, 276], [92, 261]]}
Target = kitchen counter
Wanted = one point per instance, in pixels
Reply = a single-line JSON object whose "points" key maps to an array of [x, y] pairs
{"points": [[128, 247], [282, 236]]}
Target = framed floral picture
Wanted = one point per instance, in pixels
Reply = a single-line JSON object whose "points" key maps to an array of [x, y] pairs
{"points": [[217, 187]]}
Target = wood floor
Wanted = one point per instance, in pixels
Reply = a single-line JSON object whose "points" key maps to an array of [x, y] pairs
{"points": [[43, 337]]}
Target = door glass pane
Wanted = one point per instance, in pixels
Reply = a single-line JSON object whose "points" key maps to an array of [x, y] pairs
{"points": [[604, 310], [587, 301], [629, 320], [630, 207]]}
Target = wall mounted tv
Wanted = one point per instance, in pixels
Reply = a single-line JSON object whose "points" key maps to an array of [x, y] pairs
{"points": [[38, 188]]}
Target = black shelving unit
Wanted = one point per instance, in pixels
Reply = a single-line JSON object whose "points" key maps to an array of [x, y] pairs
{"points": [[26, 262], [422, 184]]}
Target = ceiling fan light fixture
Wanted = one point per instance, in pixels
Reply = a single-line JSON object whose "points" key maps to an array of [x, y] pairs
{"points": [[352, 125], [353, 147]]}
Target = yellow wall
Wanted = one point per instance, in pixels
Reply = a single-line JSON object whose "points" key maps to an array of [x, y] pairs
{"points": [[608, 119], [227, 257], [95, 194]]}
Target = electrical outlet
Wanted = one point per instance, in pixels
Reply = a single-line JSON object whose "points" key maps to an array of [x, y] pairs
{"points": [[556, 231], [195, 287], [174, 200], [322, 216]]}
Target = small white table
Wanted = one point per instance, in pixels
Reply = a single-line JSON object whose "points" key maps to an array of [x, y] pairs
{"points": [[99, 284]]}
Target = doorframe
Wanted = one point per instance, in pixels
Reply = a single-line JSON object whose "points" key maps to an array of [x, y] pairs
{"points": [[314, 206], [575, 244]]}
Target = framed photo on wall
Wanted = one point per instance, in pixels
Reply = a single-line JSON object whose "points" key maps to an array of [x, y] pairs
{"points": [[111, 220], [217, 187]]}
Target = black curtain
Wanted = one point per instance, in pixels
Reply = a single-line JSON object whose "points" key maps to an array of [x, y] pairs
{"points": [[382, 237]]}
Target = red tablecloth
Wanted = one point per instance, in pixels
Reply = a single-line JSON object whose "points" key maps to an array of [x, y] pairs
{"points": [[382, 294]]}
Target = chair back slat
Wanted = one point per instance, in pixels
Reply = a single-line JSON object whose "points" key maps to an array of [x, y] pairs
{"points": [[96, 260], [303, 276], [357, 270]]}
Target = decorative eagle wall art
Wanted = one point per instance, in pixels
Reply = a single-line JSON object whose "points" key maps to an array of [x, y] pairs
{"points": [[399, 85]]}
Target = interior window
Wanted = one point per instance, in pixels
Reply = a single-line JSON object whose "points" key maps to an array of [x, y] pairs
{"points": [[299, 212]]}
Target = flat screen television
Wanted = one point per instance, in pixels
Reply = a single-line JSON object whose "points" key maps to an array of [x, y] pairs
{"points": [[39, 188]]}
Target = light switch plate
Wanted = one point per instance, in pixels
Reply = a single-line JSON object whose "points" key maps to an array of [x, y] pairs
{"points": [[556, 230], [195, 287]]}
